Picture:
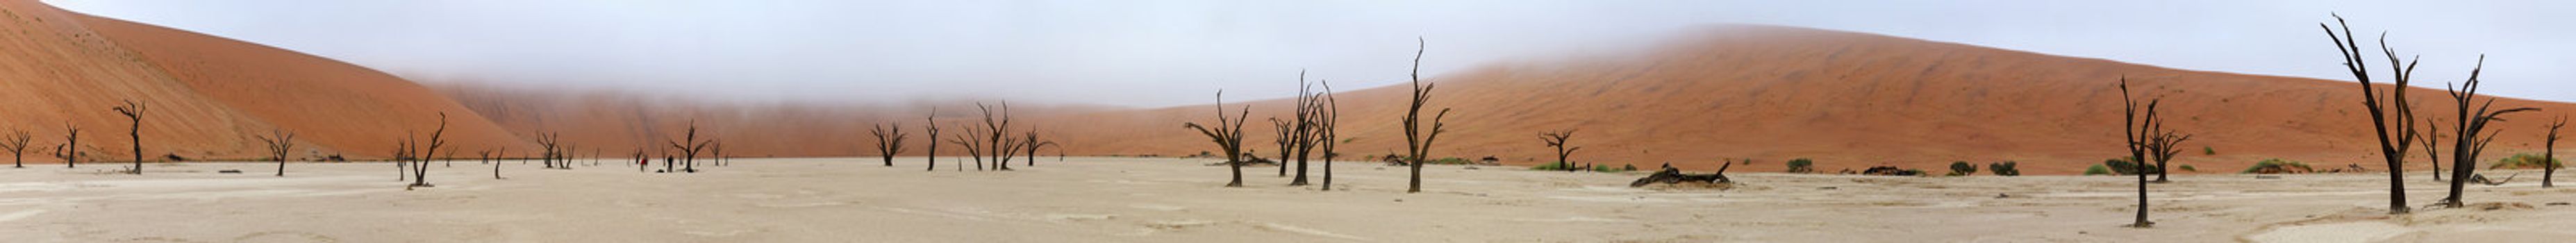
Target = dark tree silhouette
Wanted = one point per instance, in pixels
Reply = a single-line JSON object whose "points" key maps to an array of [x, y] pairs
{"points": [[932, 124], [1031, 144], [1307, 103], [2393, 137], [426, 150], [2470, 130], [134, 113], [1326, 120], [70, 150], [2431, 133], [402, 157], [2141, 134], [974, 146], [1417, 141], [505, 152], [551, 143], [889, 141], [689, 146], [279, 142], [1556, 140], [2549, 153], [17, 143], [1228, 135], [1287, 142], [997, 136]]}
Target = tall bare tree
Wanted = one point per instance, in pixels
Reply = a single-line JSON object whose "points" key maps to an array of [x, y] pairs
{"points": [[2432, 132], [1032, 144], [134, 113], [889, 141], [2549, 152], [427, 150], [997, 135], [932, 124], [16, 142], [1556, 139], [1307, 104], [279, 142], [505, 152], [689, 146], [2140, 134], [1228, 135], [1326, 121], [1417, 139], [2471, 136], [974, 145], [2394, 136]]}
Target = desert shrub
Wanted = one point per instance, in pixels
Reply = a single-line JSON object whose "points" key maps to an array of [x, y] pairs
{"points": [[1550, 166], [2525, 161], [1629, 167], [2006, 168], [1607, 168], [2125, 166], [2277, 166], [2097, 170], [2188, 168], [1802, 165], [2205, 150], [1961, 168]]}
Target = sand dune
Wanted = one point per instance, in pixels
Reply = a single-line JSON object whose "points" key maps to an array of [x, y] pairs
{"points": [[209, 96]]}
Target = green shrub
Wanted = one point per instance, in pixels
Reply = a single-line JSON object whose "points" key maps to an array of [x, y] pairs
{"points": [[1629, 167], [1550, 166], [2276, 166], [2097, 170], [2124, 166], [1450, 161], [2525, 161], [2006, 168], [1607, 168], [1962, 168], [2205, 150], [1802, 165], [2188, 168]]}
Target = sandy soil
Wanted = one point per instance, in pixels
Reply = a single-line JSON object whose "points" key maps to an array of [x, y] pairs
{"points": [[1174, 200]]}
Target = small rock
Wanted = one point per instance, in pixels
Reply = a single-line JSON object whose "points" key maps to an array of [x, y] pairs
{"points": [[1399, 200], [2001, 195]]}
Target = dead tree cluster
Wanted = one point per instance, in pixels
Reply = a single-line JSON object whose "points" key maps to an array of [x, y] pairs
{"points": [[990, 143], [415, 153], [1299, 134], [2147, 140], [2393, 118], [689, 146]]}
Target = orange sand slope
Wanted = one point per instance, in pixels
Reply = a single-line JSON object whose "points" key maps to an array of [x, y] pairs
{"points": [[208, 96], [1848, 100]]}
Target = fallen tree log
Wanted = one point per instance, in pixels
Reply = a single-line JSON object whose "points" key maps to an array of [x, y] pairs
{"points": [[1672, 175]]}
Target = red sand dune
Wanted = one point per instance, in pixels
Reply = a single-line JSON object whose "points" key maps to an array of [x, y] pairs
{"points": [[209, 96]]}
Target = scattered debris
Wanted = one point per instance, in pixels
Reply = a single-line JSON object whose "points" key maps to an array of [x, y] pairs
{"points": [[2482, 179], [1891, 171], [228, 172], [2557, 204]]}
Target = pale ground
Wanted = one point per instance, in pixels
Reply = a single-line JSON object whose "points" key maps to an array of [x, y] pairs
{"points": [[1176, 200]]}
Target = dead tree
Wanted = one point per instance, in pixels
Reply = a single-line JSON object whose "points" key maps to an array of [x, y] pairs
{"points": [[996, 134], [134, 114], [1032, 144], [1557, 140], [2472, 137], [974, 147], [932, 124], [689, 146], [2138, 132], [1417, 140], [17, 143], [496, 164], [278, 143], [420, 164], [1228, 135], [2393, 137], [1287, 142], [402, 157], [1305, 134], [70, 150], [889, 141], [551, 143], [1326, 120], [2432, 132], [2549, 152]]}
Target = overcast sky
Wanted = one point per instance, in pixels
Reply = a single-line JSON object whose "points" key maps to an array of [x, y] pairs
{"points": [[1164, 53]]}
